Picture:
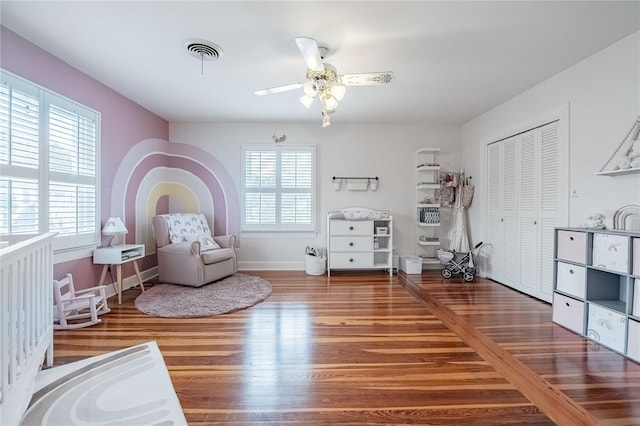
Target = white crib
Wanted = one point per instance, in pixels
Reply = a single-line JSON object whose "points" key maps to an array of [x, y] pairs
{"points": [[26, 321]]}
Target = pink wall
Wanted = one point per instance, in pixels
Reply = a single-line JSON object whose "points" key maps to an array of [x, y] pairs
{"points": [[124, 123]]}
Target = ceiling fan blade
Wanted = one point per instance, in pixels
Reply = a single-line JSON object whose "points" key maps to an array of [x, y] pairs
{"points": [[367, 78], [309, 49], [278, 89]]}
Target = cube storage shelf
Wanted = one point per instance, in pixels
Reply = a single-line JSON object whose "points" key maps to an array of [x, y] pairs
{"points": [[597, 286]]}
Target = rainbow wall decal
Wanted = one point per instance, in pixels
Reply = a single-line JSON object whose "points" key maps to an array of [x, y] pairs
{"points": [[157, 176]]}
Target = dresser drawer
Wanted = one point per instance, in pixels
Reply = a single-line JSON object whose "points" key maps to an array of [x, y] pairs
{"points": [[351, 227], [611, 252], [636, 256], [568, 312], [572, 246], [571, 279], [351, 260], [607, 327], [351, 244], [633, 345]]}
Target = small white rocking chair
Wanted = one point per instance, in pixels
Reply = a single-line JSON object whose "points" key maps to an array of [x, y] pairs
{"points": [[72, 304]]}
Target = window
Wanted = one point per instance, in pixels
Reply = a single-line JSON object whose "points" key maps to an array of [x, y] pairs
{"points": [[48, 162], [279, 188]]}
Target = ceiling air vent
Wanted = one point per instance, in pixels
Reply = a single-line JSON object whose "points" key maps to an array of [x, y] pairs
{"points": [[204, 50]]}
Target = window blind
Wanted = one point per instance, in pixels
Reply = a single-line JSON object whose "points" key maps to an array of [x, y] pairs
{"points": [[279, 188], [49, 156]]}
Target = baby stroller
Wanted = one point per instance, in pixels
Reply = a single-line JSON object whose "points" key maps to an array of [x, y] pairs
{"points": [[456, 263]]}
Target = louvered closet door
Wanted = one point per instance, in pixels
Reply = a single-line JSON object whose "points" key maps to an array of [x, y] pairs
{"points": [[502, 247], [528, 212], [493, 243], [549, 216], [510, 213], [523, 209]]}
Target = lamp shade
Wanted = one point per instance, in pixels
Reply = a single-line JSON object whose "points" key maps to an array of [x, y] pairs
{"points": [[114, 226]]}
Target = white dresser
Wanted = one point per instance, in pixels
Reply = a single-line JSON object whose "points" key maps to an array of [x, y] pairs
{"points": [[360, 244]]}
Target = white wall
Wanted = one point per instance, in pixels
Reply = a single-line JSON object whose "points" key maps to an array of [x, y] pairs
{"points": [[603, 94], [386, 151]]}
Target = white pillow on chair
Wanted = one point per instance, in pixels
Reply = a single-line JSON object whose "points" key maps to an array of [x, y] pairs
{"points": [[187, 226], [207, 243]]}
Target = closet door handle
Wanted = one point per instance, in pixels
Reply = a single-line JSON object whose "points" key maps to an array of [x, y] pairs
{"points": [[351, 228], [350, 244], [535, 222], [571, 238]]}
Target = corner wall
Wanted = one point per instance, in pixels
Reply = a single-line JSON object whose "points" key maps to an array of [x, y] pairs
{"points": [[124, 123], [386, 151], [603, 94]]}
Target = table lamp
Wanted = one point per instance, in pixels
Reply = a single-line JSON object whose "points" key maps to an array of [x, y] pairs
{"points": [[114, 226]]}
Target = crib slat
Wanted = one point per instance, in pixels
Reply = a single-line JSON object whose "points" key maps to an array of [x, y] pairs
{"points": [[26, 307]]}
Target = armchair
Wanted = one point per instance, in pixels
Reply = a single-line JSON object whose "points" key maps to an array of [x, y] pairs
{"points": [[188, 254]]}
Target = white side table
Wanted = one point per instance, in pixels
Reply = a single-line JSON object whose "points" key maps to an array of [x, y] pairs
{"points": [[119, 255]]}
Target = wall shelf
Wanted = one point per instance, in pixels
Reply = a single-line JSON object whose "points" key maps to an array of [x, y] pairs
{"points": [[620, 172]]}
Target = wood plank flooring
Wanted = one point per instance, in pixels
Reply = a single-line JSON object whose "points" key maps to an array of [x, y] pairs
{"points": [[369, 348]]}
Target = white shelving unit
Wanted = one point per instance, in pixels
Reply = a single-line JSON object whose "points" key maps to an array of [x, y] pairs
{"points": [[597, 286], [427, 207]]}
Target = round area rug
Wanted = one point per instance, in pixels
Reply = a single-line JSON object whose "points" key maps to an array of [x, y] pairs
{"points": [[230, 294]]}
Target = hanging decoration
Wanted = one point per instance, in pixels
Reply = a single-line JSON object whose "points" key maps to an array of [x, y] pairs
{"points": [[629, 161]]}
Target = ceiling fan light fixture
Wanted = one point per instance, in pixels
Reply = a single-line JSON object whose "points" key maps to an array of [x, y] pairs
{"points": [[338, 91], [326, 121], [330, 104], [324, 81], [307, 100], [310, 88]]}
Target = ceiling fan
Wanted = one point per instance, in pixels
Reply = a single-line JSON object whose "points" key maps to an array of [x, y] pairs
{"points": [[324, 81]]}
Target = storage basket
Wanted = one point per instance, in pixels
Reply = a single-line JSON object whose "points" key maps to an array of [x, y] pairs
{"points": [[315, 265]]}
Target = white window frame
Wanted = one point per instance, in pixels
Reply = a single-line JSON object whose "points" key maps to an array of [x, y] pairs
{"points": [[279, 227], [66, 247]]}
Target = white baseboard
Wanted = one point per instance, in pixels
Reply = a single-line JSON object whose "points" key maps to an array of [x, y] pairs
{"points": [[271, 266], [132, 281]]}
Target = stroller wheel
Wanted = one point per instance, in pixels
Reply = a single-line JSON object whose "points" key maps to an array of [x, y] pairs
{"points": [[446, 273], [468, 276]]}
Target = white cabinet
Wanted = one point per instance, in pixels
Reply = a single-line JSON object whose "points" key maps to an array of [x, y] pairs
{"points": [[523, 199], [595, 291], [427, 205], [360, 244]]}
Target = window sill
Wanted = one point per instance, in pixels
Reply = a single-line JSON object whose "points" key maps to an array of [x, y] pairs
{"points": [[278, 234], [67, 255]]}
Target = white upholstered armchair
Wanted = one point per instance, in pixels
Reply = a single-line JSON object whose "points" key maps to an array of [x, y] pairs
{"points": [[188, 254]]}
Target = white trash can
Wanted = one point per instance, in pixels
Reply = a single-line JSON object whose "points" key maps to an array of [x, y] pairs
{"points": [[315, 265]]}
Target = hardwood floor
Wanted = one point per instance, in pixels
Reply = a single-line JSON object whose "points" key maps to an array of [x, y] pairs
{"points": [[369, 348]]}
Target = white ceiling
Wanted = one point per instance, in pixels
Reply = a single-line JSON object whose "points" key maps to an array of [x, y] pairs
{"points": [[452, 60]]}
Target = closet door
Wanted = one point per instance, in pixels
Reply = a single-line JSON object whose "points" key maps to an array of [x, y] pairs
{"points": [[528, 201], [511, 266], [523, 209], [494, 238], [502, 248], [550, 200]]}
